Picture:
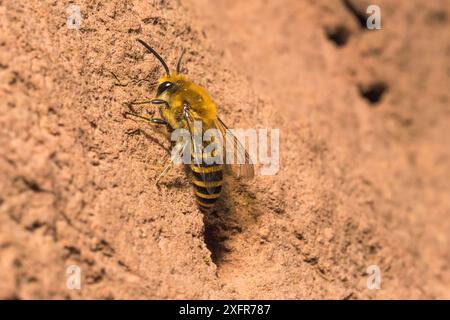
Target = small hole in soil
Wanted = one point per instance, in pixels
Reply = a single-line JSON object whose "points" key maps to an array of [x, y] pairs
{"points": [[437, 17], [339, 35], [214, 241], [373, 92]]}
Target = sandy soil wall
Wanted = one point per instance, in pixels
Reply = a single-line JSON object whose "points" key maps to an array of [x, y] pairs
{"points": [[364, 151]]}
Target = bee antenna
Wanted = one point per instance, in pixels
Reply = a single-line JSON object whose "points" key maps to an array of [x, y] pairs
{"points": [[179, 61], [156, 55]]}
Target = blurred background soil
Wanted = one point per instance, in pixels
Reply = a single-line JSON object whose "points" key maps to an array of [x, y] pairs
{"points": [[364, 171]]}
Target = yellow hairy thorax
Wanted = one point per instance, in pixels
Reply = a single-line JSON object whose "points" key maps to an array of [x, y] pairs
{"points": [[200, 103]]}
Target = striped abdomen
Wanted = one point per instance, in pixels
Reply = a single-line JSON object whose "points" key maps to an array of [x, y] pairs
{"points": [[203, 175]]}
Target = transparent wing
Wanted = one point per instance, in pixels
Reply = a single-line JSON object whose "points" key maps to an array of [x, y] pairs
{"points": [[244, 168], [201, 172]]}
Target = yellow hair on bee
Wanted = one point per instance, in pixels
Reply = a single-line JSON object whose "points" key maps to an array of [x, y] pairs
{"points": [[199, 101]]}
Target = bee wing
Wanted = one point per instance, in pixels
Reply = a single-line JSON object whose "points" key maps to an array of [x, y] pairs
{"points": [[200, 169], [244, 169]]}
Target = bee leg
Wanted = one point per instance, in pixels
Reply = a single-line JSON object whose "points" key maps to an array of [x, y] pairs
{"points": [[132, 111], [175, 157], [131, 104], [164, 172], [159, 121], [156, 121], [140, 102], [161, 101]]}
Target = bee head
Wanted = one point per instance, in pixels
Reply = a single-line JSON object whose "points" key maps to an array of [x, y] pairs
{"points": [[175, 86], [167, 83]]}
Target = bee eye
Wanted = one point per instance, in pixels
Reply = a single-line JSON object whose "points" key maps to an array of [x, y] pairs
{"points": [[163, 87]]}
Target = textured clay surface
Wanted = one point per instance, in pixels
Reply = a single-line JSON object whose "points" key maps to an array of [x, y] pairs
{"points": [[364, 173]]}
